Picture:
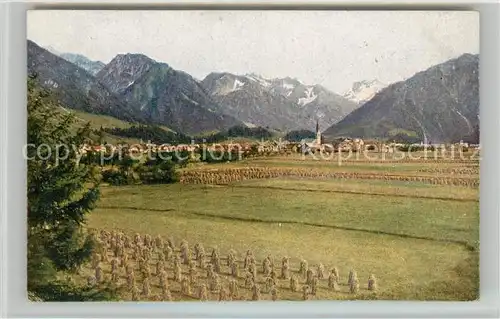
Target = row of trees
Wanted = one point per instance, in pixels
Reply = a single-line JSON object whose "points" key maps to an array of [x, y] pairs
{"points": [[159, 135], [258, 133], [151, 133], [299, 135], [155, 167]]}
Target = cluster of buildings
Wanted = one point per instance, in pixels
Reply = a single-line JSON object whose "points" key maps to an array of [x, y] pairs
{"points": [[316, 144], [342, 144], [146, 148], [358, 144]]}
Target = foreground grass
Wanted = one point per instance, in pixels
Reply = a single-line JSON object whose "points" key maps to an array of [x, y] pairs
{"points": [[418, 248], [425, 218], [401, 265], [367, 187]]}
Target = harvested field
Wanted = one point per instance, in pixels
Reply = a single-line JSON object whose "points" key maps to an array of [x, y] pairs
{"points": [[225, 176], [394, 226]]}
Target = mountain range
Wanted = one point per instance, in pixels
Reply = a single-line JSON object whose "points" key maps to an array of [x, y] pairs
{"points": [[155, 93], [283, 104], [159, 94], [438, 104], [164, 95]]}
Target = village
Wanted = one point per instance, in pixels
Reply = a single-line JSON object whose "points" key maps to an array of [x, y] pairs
{"points": [[278, 147], [319, 144]]}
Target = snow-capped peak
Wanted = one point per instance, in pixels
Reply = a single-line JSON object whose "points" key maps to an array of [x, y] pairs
{"points": [[237, 84], [229, 83], [310, 96], [362, 91], [258, 79]]}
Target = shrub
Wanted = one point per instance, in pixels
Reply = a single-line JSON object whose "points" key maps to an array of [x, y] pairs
{"points": [[161, 173], [114, 177]]}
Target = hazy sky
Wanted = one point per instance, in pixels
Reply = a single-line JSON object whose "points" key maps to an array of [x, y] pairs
{"points": [[331, 48]]}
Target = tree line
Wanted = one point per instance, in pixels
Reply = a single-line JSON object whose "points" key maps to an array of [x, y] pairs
{"points": [[158, 135]]}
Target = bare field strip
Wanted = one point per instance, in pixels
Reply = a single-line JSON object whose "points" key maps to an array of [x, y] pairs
{"points": [[401, 158], [224, 176], [451, 170]]}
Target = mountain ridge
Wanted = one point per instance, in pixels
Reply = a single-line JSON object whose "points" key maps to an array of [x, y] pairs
{"points": [[163, 95], [74, 87], [93, 67], [362, 91], [440, 104], [283, 103]]}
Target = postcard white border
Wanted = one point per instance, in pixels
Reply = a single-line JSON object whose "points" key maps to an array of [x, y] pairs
{"points": [[13, 299]]}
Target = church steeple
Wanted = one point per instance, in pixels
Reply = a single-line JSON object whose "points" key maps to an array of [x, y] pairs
{"points": [[318, 133]]}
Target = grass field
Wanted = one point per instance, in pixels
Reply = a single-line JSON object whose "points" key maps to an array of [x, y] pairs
{"points": [[104, 121], [98, 121], [419, 240]]}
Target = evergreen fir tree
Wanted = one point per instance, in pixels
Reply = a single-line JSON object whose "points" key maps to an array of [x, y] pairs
{"points": [[61, 192]]}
